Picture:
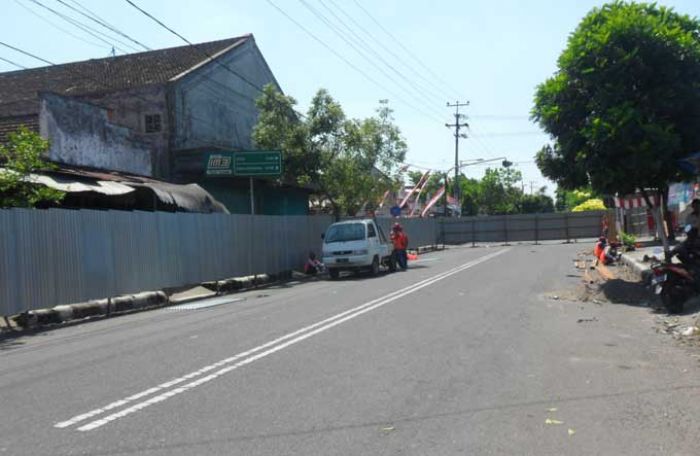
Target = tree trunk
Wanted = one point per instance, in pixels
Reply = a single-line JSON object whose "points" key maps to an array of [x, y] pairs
{"points": [[658, 219], [336, 208], [667, 214]]}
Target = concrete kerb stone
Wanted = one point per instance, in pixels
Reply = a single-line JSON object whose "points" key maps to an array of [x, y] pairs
{"points": [[68, 312], [428, 248], [637, 266], [151, 299]]}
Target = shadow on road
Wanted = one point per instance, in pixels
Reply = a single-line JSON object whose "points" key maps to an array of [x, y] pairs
{"points": [[619, 291]]}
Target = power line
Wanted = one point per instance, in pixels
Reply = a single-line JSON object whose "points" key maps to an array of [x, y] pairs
{"points": [[58, 27], [513, 133], [436, 88], [337, 54], [103, 24], [13, 63], [206, 54], [97, 81], [457, 126], [498, 117], [352, 45], [365, 45], [408, 52], [85, 28], [157, 21], [25, 53]]}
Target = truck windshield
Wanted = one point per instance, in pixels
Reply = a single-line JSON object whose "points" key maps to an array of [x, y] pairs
{"points": [[345, 232]]}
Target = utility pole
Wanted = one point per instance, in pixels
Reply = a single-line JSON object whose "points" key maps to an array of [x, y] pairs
{"points": [[444, 209], [457, 126], [532, 184]]}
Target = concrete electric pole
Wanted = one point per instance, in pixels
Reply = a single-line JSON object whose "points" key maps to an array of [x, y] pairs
{"points": [[457, 126]]}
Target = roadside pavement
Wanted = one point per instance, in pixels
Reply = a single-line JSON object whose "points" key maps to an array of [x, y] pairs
{"points": [[640, 259]]}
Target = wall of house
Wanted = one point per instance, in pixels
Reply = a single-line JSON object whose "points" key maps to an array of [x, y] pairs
{"points": [[82, 134], [215, 109], [129, 109]]}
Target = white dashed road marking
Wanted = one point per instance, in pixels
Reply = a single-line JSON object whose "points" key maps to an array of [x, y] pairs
{"points": [[247, 357]]}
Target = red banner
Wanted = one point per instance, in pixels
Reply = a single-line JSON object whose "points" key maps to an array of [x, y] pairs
{"points": [[433, 200], [423, 179]]}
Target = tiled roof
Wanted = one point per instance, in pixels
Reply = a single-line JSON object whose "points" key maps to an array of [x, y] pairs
{"points": [[11, 124], [19, 89]]}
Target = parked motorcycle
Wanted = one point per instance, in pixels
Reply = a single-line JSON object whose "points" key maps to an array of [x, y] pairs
{"points": [[675, 283]]}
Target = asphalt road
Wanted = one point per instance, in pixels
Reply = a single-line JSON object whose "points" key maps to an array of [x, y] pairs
{"points": [[463, 354]]}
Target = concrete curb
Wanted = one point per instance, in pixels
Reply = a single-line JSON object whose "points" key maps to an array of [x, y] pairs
{"points": [[643, 270], [154, 299], [428, 248], [136, 302], [99, 307]]}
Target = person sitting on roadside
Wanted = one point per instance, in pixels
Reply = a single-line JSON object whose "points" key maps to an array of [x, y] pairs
{"points": [[599, 246], [400, 241], [313, 266]]}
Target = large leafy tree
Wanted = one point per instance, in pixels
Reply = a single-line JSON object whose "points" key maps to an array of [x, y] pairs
{"points": [[351, 161], [499, 191], [624, 104], [19, 159], [566, 200], [538, 203]]}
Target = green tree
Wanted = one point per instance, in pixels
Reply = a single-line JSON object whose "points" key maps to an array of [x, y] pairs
{"points": [[470, 192], [414, 177], [537, 203], [21, 157], [593, 204], [624, 103], [352, 161], [500, 192], [279, 127], [566, 200]]}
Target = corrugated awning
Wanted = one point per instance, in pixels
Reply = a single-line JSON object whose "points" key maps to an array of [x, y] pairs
{"points": [[72, 186], [189, 197]]}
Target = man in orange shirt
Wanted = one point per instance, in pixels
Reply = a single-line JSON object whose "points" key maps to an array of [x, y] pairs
{"points": [[400, 241]]}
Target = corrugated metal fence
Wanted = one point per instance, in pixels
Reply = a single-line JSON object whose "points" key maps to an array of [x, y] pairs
{"points": [[50, 257], [522, 228], [421, 232]]}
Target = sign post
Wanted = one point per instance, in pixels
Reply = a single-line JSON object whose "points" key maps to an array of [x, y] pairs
{"points": [[252, 197], [250, 164]]}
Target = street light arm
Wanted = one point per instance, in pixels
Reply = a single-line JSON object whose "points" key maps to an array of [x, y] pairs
{"points": [[462, 164]]}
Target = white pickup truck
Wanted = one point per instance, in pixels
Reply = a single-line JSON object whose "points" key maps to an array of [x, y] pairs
{"points": [[355, 245]]}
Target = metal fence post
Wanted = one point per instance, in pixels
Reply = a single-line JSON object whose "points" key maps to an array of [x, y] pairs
{"points": [[473, 233], [566, 227], [537, 229], [505, 229], [442, 230]]}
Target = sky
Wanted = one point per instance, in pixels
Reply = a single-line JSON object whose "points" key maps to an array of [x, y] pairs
{"points": [[419, 55]]}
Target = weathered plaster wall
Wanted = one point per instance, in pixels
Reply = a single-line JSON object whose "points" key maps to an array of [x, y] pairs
{"points": [[215, 109], [81, 134], [129, 108]]}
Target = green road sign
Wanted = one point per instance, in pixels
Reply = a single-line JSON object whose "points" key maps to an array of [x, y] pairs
{"points": [[258, 163], [244, 163], [219, 164]]}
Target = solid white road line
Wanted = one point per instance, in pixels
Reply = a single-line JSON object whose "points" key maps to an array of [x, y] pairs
{"points": [[244, 358]]}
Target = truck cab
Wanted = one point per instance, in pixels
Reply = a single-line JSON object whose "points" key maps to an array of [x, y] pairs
{"points": [[355, 245]]}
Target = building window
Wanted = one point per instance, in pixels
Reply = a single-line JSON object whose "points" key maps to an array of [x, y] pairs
{"points": [[152, 123]]}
